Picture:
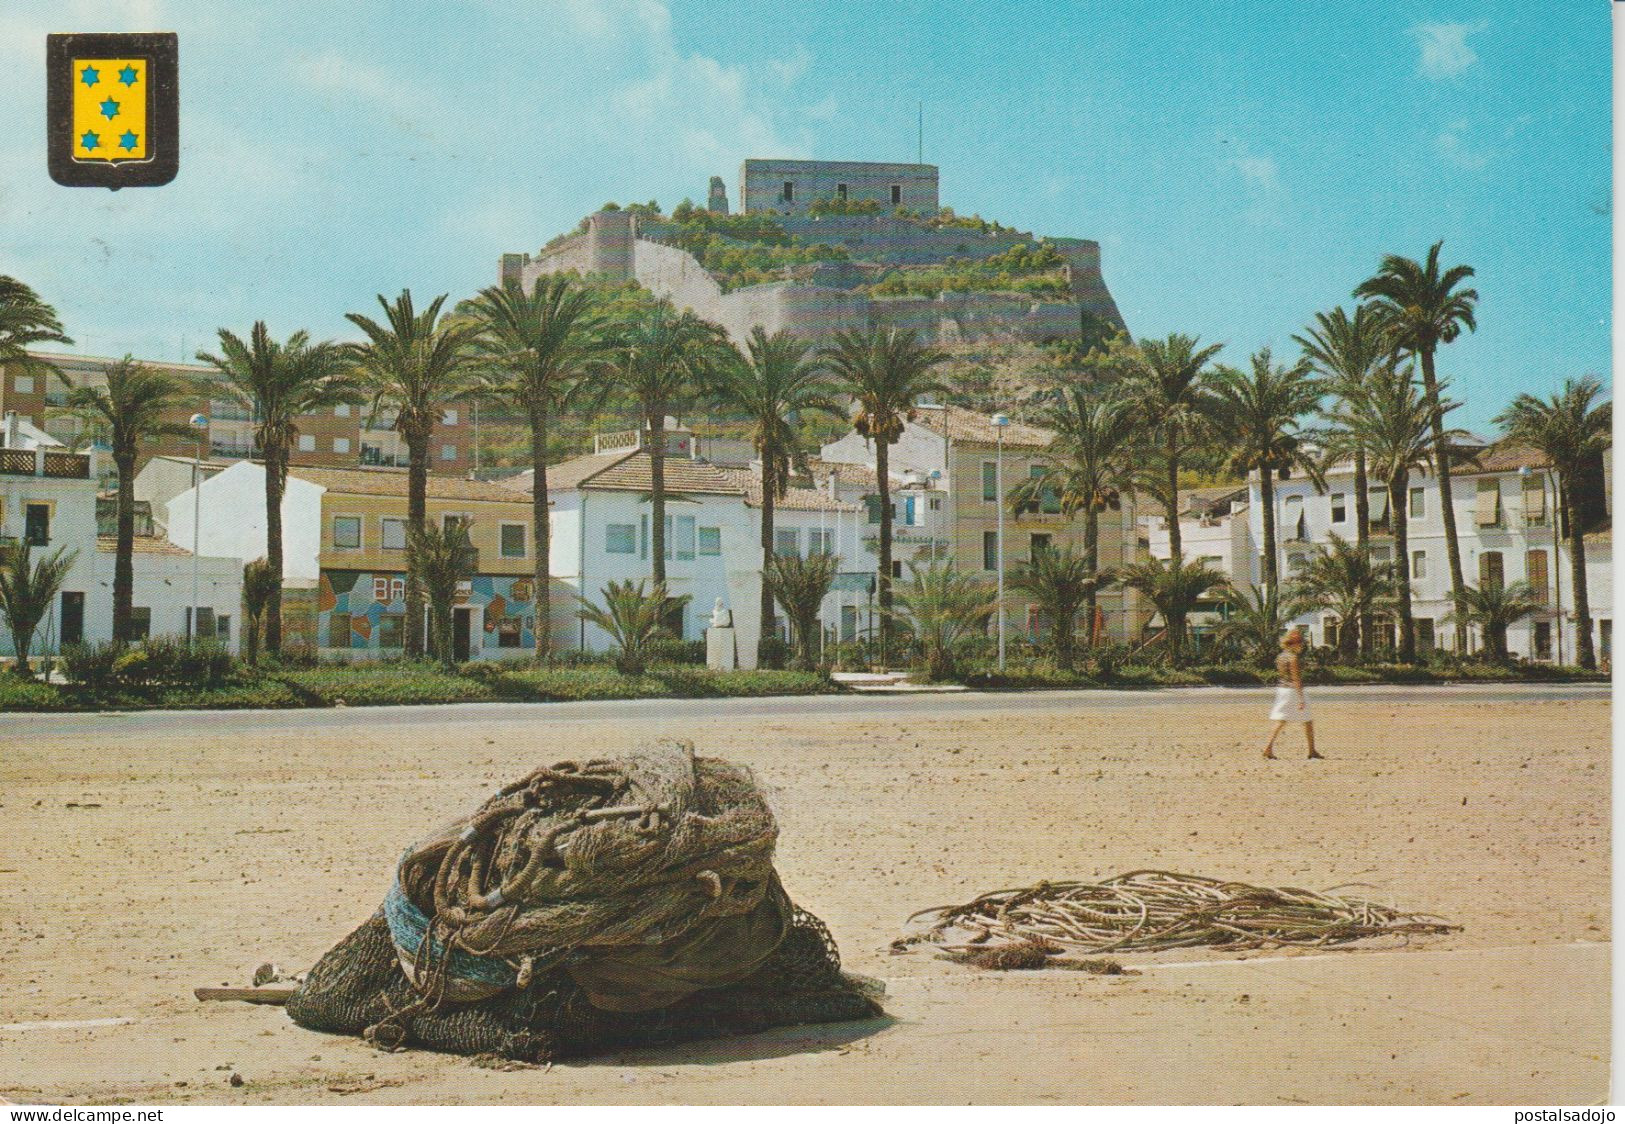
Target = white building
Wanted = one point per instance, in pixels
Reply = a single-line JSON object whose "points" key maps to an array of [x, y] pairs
{"points": [[601, 509], [48, 499], [1213, 527], [1507, 532]]}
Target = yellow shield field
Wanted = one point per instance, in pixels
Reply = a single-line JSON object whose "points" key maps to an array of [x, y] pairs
{"points": [[109, 110]]}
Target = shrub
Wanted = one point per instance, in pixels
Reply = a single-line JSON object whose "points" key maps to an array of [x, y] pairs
{"points": [[19, 694], [673, 651], [90, 665]]}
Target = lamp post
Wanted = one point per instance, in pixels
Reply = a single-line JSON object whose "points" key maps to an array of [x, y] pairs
{"points": [[1000, 422], [199, 422]]}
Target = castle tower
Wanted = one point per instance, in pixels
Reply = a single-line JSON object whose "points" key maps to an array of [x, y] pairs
{"points": [[609, 248], [718, 203]]}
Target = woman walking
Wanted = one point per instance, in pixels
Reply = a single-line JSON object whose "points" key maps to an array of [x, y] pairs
{"points": [[1290, 704]]}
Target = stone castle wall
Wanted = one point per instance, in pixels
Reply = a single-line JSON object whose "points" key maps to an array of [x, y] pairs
{"points": [[761, 184]]}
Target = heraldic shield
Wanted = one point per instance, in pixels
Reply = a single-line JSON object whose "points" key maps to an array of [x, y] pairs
{"points": [[112, 108]]}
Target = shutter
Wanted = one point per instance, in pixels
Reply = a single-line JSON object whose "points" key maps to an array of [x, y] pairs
{"points": [[1536, 568], [1379, 506], [1534, 504], [1489, 505]]}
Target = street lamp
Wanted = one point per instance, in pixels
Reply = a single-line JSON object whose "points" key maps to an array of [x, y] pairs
{"points": [[1000, 423], [199, 422]]}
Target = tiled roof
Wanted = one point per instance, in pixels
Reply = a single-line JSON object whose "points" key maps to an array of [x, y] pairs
{"points": [[795, 499], [1504, 456], [968, 425], [392, 482], [142, 544], [629, 471], [848, 475], [1197, 502]]}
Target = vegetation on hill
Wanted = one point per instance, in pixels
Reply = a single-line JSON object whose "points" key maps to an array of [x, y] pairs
{"points": [[1026, 268]]}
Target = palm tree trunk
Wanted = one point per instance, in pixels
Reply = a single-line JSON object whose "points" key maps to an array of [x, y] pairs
{"points": [[1585, 653], [1064, 629], [1447, 502], [541, 534], [1266, 495], [1362, 540], [275, 469], [417, 493], [657, 494], [22, 639], [1091, 559], [883, 579], [1398, 494], [1175, 544], [124, 556], [769, 484]]}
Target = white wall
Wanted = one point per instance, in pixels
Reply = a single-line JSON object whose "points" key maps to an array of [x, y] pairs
{"points": [[232, 505], [163, 585]]}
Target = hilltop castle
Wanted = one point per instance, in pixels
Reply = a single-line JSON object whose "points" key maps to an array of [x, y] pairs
{"points": [[822, 246]]}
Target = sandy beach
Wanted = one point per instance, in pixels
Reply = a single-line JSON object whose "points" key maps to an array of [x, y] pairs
{"points": [[143, 857]]}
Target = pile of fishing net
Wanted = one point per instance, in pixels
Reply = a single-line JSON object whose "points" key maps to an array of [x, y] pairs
{"points": [[1150, 911], [609, 903]]}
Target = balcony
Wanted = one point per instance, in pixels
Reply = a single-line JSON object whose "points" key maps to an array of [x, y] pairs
{"points": [[42, 462]]}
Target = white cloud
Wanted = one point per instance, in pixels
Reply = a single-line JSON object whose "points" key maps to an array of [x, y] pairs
{"points": [[790, 70], [1445, 52], [1452, 145], [824, 110], [1261, 179]]}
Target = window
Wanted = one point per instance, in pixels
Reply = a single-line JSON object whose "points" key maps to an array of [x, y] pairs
{"points": [[683, 541], [1048, 501], [908, 511], [1419, 507], [392, 533], [205, 623], [448, 417], [338, 630], [346, 532], [897, 569], [820, 540], [1382, 554], [1340, 512], [896, 194], [1419, 563], [840, 191], [512, 540], [508, 634], [871, 505], [1605, 639], [786, 541], [1424, 634], [37, 524], [23, 384], [710, 542], [222, 628], [1543, 640], [789, 192], [448, 452], [1377, 501], [307, 442], [1294, 528], [341, 444], [1535, 569], [1491, 573], [1487, 511], [990, 550], [936, 503], [643, 537], [392, 630], [1040, 543], [1534, 500], [342, 410], [1296, 562], [849, 622], [990, 482], [140, 622], [618, 538]]}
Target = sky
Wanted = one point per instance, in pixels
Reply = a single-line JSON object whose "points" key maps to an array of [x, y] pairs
{"points": [[1242, 165]]}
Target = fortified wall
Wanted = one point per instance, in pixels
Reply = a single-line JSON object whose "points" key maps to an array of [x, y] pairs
{"points": [[828, 297]]}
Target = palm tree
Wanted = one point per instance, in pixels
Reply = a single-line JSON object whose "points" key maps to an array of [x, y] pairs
{"points": [[885, 372], [1420, 307], [27, 591], [1171, 386], [260, 581], [662, 360], [539, 346], [25, 321], [1258, 416], [445, 558], [1087, 465], [133, 407], [1175, 588], [1341, 578], [1346, 350], [277, 383], [1394, 424], [1061, 583], [415, 364], [1494, 608], [633, 619], [801, 584], [1253, 620], [1572, 430], [942, 606], [773, 383]]}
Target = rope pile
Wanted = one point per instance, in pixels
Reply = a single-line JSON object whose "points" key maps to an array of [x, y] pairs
{"points": [[646, 877], [1156, 910]]}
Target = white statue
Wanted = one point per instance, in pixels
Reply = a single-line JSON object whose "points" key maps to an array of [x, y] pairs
{"points": [[720, 617]]}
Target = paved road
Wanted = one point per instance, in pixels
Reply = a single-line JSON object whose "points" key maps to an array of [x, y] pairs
{"points": [[846, 706]]}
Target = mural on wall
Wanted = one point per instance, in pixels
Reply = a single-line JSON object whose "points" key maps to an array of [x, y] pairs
{"points": [[374, 606]]}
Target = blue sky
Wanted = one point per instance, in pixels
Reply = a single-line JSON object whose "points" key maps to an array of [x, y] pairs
{"points": [[1242, 165]]}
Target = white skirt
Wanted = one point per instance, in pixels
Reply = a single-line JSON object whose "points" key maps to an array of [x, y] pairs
{"points": [[1286, 707]]}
